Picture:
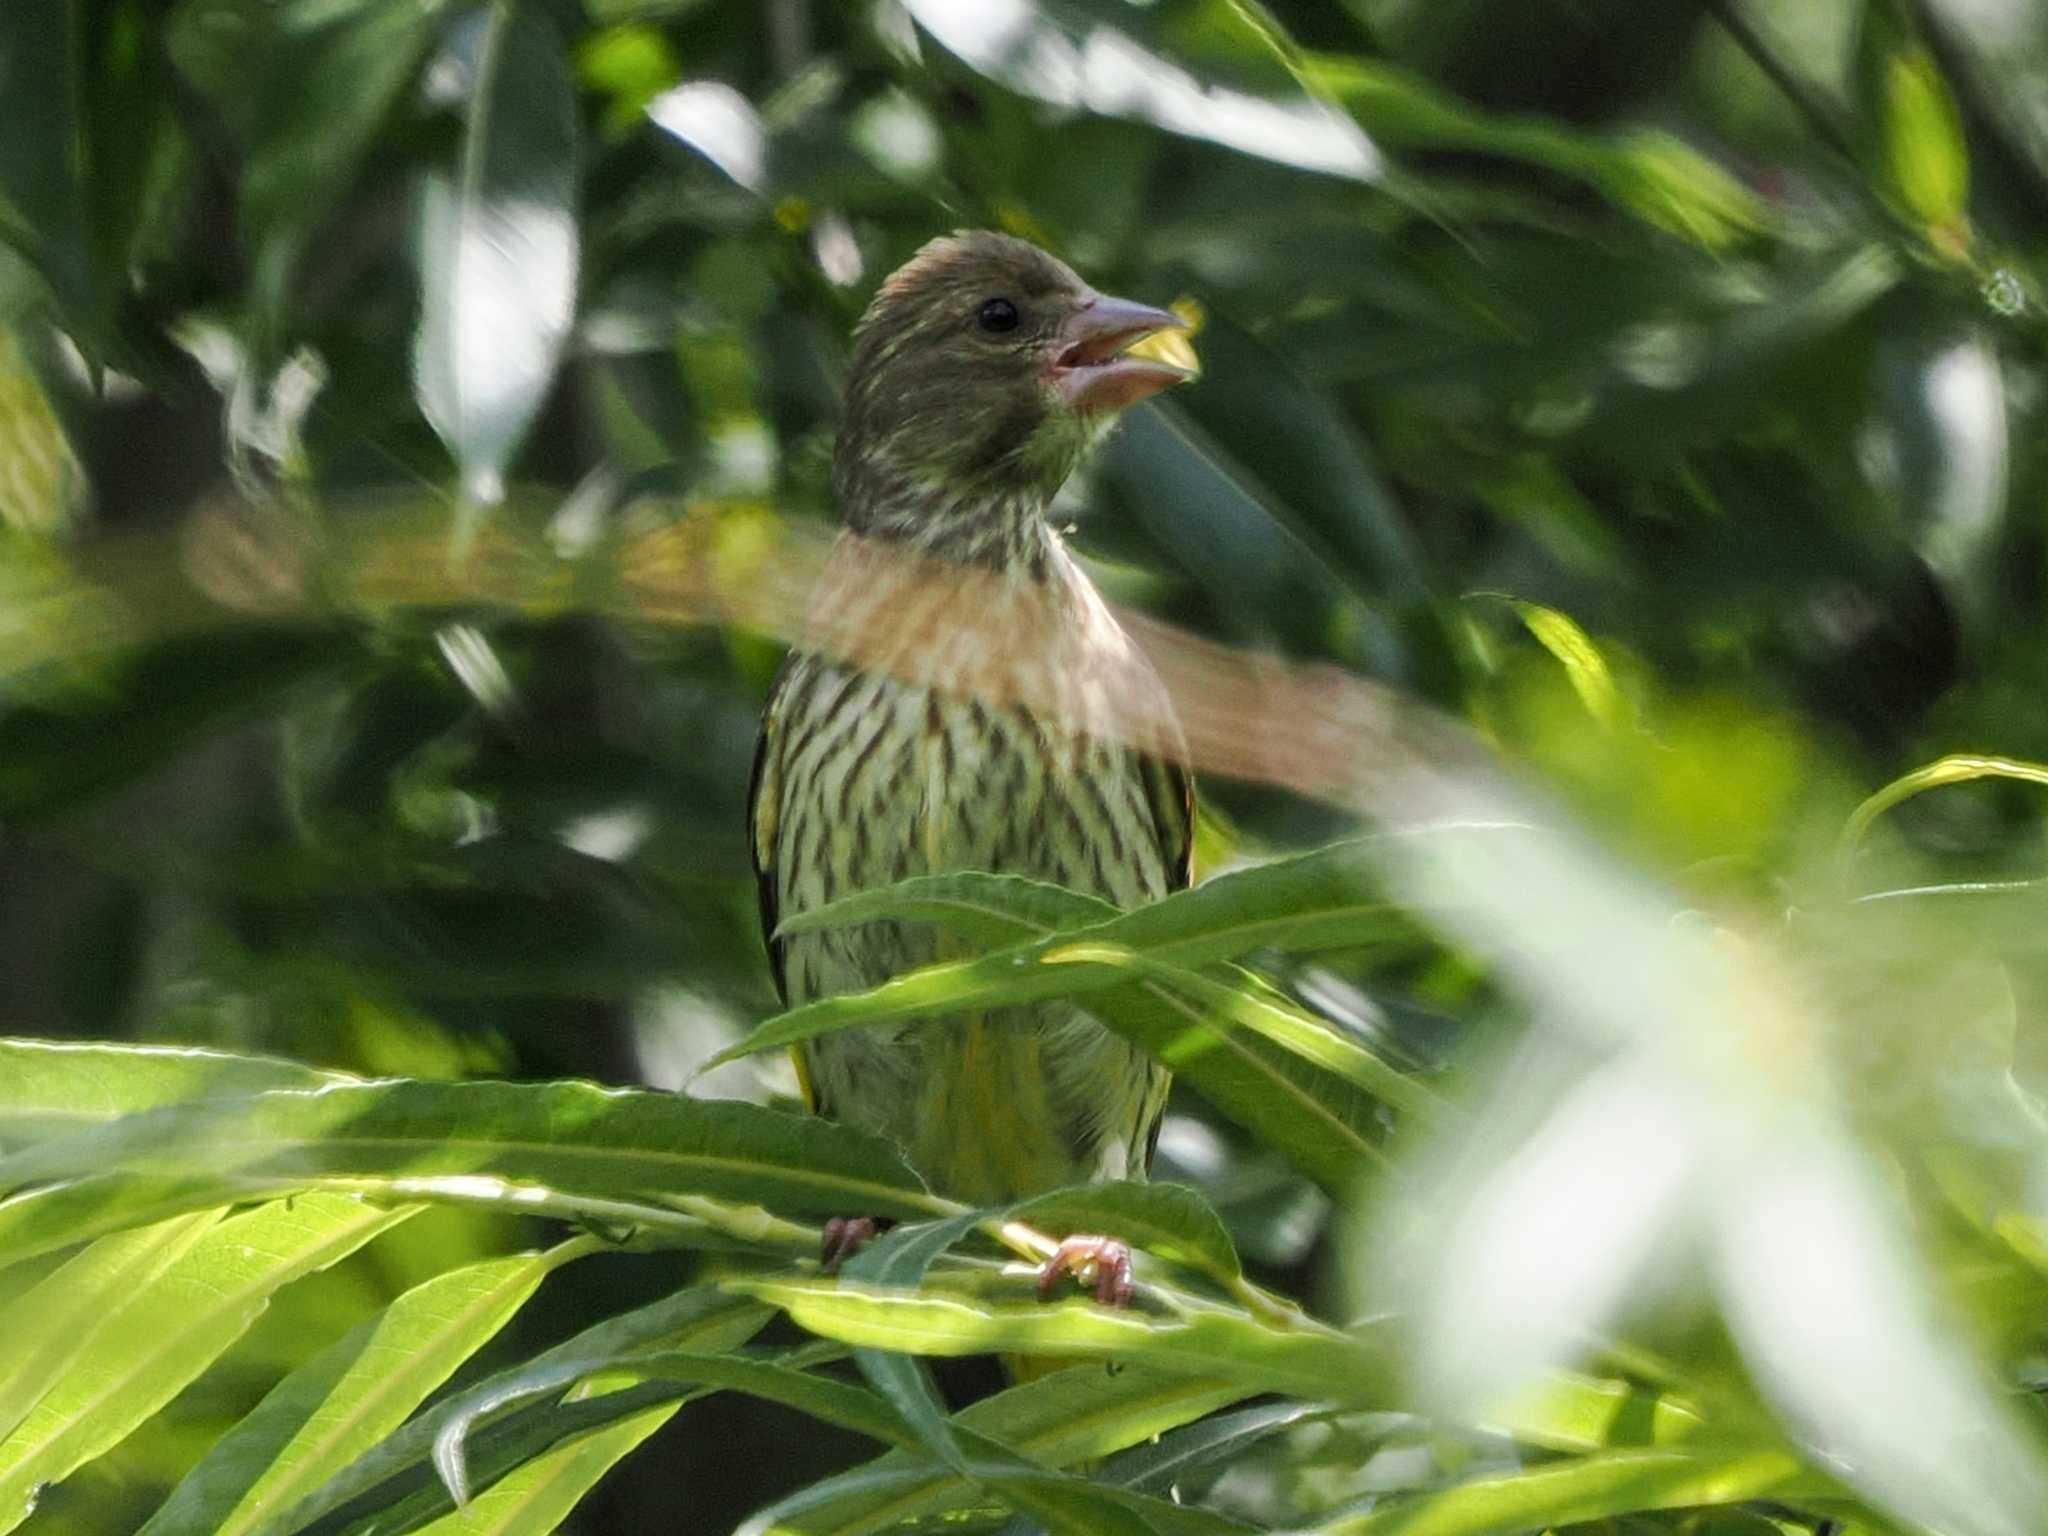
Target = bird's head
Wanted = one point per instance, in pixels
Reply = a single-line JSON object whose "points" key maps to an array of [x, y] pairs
{"points": [[982, 370]]}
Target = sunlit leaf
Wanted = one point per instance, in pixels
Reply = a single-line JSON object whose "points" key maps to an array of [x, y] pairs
{"points": [[56, 1087], [349, 1396], [1075, 54], [1615, 1483], [162, 1336], [570, 1135], [499, 251], [400, 1471], [55, 1324]]}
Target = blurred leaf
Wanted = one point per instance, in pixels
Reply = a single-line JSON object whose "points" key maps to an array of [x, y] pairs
{"points": [[1923, 160], [148, 703], [164, 1335], [1599, 1487], [499, 251], [1581, 659], [1646, 173], [1814, 1261], [1947, 409], [1279, 437], [351, 1395], [1929, 163], [307, 86], [39, 155], [1957, 768], [1083, 53], [42, 484]]}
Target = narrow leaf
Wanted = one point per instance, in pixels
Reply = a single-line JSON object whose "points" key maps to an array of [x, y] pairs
{"points": [[51, 1087], [351, 1395], [1171, 1221], [1599, 1487], [499, 251], [55, 1324], [1055, 1420], [173, 1330], [572, 1136], [701, 1318]]}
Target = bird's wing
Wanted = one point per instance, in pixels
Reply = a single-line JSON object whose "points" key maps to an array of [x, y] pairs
{"points": [[764, 817], [1170, 787]]}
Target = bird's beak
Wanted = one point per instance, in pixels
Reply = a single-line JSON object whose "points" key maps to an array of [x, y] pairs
{"points": [[1091, 371]]}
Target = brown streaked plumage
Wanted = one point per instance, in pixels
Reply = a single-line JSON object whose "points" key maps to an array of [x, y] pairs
{"points": [[982, 371]]}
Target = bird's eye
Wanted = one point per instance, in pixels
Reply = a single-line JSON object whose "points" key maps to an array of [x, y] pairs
{"points": [[997, 316]]}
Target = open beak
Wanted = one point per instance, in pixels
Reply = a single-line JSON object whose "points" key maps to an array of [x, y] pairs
{"points": [[1092, 372]]}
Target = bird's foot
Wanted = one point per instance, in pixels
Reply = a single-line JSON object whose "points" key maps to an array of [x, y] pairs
{"points": [[843, 1235], [1104, 1262]]}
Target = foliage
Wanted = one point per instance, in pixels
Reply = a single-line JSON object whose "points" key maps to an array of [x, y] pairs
{"points": [[412, 416]]}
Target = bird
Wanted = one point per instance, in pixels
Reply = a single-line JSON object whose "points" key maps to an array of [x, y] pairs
{"points": [[984, 722]]}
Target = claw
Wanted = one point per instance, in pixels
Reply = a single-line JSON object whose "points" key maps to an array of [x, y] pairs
{"points": [[844, 1234], [1103, 1261]]}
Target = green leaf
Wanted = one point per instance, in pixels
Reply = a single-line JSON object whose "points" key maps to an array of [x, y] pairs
{"points": [[900, 1259], [1929, 164], [990, 909], [784, 1380], [536, 1497], [1598, 1487], [1956, 768], [40, 211], [55, 1324], [1561, 1411], [307, 86], [1275, 434], [1584, 666], [1651, 175], [1160, 1465], [147, 704], [351, 1395], [1308, 1361], [1237, 90], [569, 1136], [1055, 1420], [1278, 1081], [1170, 1221], [499, 251], [400, 1470], [166, 1334], [55, 1087], [44, 488], [1921, 157]]}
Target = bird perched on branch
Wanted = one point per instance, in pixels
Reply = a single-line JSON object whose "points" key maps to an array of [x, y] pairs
{"points": [[966, 701]]}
